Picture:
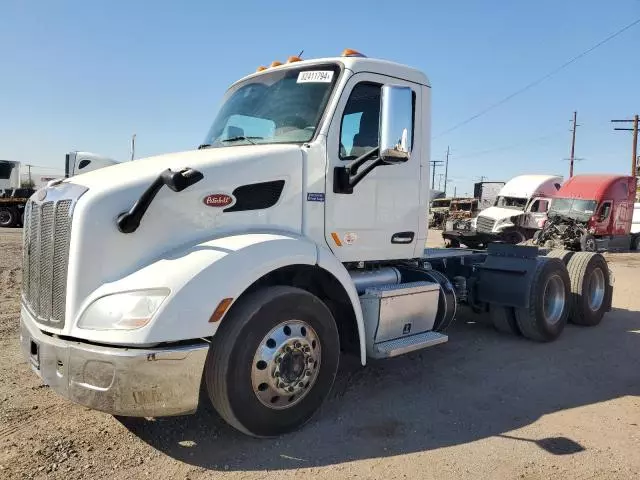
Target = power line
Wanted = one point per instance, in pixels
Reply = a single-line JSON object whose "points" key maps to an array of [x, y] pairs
{"points": [[513, 145], [540, 79]]}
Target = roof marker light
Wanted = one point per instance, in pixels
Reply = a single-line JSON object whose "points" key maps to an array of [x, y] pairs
{"points": [[348, 52], [275, 63], [293, 58], [261, 68]]}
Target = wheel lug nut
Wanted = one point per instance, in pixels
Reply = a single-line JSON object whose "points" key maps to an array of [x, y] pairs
{"points": [[288, 349], [298, 345], [278, 360], [277, 374], [308, 373], [301, 384], [291, 389]]}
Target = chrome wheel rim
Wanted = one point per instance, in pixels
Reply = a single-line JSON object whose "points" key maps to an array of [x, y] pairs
{"points": [[553, 299], [286, 364], [596, 289]]}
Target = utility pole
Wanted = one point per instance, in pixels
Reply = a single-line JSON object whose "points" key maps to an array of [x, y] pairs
{"points": [[29, 170], [634, 145], [573, 144], [455, 190], [440, 175], [434, 164], [446, 172], [133, 146]]}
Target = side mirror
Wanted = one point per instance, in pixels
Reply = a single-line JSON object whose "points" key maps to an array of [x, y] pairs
{"points": [[396, 124]]}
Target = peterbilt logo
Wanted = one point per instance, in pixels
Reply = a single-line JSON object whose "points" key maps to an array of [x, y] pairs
{"points": [[218, 200]]}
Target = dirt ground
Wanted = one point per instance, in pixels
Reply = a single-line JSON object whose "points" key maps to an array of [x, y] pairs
{"points": [[483, 405]]}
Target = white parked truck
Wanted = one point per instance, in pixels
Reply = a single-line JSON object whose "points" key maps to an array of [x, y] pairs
{"points": [[520, 210], [244, 268]]}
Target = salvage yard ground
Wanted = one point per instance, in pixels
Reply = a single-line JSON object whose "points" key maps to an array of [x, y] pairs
{"points": [[484, 405]]}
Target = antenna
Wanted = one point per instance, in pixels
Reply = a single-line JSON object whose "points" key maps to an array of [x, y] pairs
{"points": [[301, 52]]}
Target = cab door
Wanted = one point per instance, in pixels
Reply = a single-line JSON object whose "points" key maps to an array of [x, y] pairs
{"points": [[604, 218], [380, 219]]}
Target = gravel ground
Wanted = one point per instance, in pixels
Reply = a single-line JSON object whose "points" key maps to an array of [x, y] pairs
{"points": [[483, 405]]}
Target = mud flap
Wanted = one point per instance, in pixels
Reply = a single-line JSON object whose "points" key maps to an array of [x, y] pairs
{"points": [[505, 276]]}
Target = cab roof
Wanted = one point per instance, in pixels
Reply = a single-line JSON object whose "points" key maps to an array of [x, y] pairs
{"points": [[594, 187], [356, 64]]}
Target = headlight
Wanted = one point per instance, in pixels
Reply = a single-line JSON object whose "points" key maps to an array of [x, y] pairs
{"points": [[123, 311]]}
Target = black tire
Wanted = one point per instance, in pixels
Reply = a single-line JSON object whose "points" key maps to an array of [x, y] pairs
{"points": [[564, 255], [587, 307], [588, 243], [635, 243], [8, 217], [514, 237], [504, 319], [550, 278], [452, 243], [230, 360]]}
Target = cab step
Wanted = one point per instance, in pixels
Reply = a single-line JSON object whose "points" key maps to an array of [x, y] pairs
{"points": [[402, 345]]}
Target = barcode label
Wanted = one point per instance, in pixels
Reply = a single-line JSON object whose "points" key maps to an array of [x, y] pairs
{"points": [[315, 76]]}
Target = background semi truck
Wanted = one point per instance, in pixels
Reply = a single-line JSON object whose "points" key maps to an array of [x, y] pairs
{"points": [[243, 269], [520, 210], [591, 213], [14, 195]]}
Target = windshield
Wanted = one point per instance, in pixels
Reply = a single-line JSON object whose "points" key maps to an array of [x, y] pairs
{"points": [[515, 203], [440, 203], [573, 208], [279, 106]]}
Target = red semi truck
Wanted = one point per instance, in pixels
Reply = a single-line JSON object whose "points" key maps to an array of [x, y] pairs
{"points": [[591, 213]]}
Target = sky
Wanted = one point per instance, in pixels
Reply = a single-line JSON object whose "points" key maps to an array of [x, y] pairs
{"points": [[86, 75]]}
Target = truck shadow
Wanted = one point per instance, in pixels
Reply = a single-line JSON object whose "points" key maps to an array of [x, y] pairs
{"points": [[480, 384]]}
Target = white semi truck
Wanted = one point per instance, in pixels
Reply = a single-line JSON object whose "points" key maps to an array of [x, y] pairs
{"points": [[244, 268], [520, 209]]}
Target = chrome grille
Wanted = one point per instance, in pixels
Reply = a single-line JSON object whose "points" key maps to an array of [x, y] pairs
{"points": [[485, 224], [46, 253]]}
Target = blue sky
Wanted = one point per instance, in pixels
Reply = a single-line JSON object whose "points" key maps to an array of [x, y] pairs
{"points": [[85, 75]]}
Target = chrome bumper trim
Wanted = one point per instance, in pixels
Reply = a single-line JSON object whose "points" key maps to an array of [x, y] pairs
{"points": [[136, 382]]}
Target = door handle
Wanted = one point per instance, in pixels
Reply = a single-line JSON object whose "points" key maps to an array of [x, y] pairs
{"points": [[402, 237]]}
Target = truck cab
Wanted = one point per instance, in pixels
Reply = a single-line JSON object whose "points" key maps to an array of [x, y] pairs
{"points": [[520, 208], [243, 268], [592, 213]]}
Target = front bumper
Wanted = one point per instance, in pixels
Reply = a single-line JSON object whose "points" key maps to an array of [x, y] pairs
{"points": [[132, 382]]}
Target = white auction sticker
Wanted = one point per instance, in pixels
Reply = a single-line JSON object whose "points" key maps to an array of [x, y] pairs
{"points": [[315, 76]]}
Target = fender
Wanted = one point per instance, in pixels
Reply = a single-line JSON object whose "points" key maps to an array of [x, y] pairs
{"points": [[331, 264], [199, 277]]}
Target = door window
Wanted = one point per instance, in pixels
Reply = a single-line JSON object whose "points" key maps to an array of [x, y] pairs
{"points": [[605, 210], [540, 206], [360, 121]]}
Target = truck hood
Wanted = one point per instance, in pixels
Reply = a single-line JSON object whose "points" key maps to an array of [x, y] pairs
{"points": [[497, 213], [269, 198]]}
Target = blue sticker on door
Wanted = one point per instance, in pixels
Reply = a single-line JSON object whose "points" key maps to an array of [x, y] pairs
{"points": [[315, 197]]}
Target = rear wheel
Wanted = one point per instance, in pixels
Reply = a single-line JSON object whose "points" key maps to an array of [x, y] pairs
{"points": [[273, 361], [590, 288], [564, 255], [8, 217], [548, 309], [635, 243]]}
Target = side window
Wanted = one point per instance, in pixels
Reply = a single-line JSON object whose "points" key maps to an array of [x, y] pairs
{"points": [[360, 121], [605, 211], [540, 206]]}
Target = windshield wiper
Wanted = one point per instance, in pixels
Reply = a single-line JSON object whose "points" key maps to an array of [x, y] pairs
{"points": [[242, 137], [204, 145]]}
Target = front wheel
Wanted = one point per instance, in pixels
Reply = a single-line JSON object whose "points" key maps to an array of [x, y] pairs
{"points": [[273, 361], [8, 217], [588, 243], [514, 237]]}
